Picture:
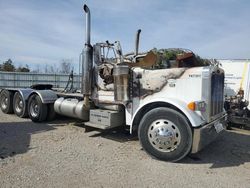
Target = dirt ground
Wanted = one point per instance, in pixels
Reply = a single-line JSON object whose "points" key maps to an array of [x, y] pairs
{"points": [[64, 154]]}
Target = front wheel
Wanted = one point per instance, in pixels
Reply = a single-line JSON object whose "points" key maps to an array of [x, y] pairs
{"points": [[36, 109], [165, 134]]}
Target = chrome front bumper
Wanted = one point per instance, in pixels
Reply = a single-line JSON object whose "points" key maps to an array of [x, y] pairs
{"points": [[204, 135]]}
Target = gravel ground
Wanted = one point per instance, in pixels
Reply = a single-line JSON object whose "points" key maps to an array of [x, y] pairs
{"points": [[64, 154]]}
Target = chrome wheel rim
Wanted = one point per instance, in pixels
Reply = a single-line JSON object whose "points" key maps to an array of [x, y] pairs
{"points": [[19, 104], [34, 108], [4, 102], [164, 135]]}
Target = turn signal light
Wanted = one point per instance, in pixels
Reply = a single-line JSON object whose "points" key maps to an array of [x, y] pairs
{"points": [[197, 106], [191, 106]]}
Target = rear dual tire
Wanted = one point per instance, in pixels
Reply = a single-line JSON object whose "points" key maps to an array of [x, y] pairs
{"points": [[38, 111], [6, 102], [51, 112], [35, 109], [19, 106]]}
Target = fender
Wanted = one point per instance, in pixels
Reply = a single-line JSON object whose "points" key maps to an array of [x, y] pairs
{"points": [[25, 93], [194, 118], [47, 96]]}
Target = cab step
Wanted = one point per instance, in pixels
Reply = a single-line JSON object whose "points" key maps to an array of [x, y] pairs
{"points": [[105, 119]]}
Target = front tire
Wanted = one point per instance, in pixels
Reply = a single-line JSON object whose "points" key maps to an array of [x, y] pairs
{"points": [[36, 109], [6, 102], [19, 106], [165, 134]]}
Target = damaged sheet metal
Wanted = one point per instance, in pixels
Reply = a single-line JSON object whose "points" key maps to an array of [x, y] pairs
{"points": [[104, 86], [148, 82], [104, 76], [106, 73], [146, 62]]}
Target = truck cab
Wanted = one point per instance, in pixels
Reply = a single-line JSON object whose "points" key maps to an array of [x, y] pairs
{"points": [[172, 104]]}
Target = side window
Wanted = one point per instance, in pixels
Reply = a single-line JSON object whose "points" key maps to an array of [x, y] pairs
{"points": [[108, 55], [104, 53]]}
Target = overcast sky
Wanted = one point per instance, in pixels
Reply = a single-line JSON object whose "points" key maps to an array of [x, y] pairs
{"points": [[39, 32]]}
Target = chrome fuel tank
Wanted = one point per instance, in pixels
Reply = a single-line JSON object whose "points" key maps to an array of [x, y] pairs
{"points": [[71, 108]]}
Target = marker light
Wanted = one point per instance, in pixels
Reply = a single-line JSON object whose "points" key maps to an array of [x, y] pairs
{"points": [[191, 106]]}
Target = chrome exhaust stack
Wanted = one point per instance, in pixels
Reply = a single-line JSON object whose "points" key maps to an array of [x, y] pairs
{"points": [[74, 107], [87, 60], [137, 40], [87, 24]]}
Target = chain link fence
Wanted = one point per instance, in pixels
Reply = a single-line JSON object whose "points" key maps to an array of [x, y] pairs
{"points": [[24, 80]]}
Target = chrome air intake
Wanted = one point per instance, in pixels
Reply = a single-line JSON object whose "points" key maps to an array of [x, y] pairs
{"points": [[121, 82]]}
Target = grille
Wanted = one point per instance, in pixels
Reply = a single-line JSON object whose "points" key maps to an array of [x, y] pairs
{"points": [[217, 93]]}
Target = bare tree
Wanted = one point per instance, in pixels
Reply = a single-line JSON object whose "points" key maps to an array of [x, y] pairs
{"points": [[52, 69], [66, 66], [36, 70], [23, 68], [46, 69]]}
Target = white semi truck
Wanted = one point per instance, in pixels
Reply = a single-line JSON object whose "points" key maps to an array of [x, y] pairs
{"points": [[176, 106]]}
